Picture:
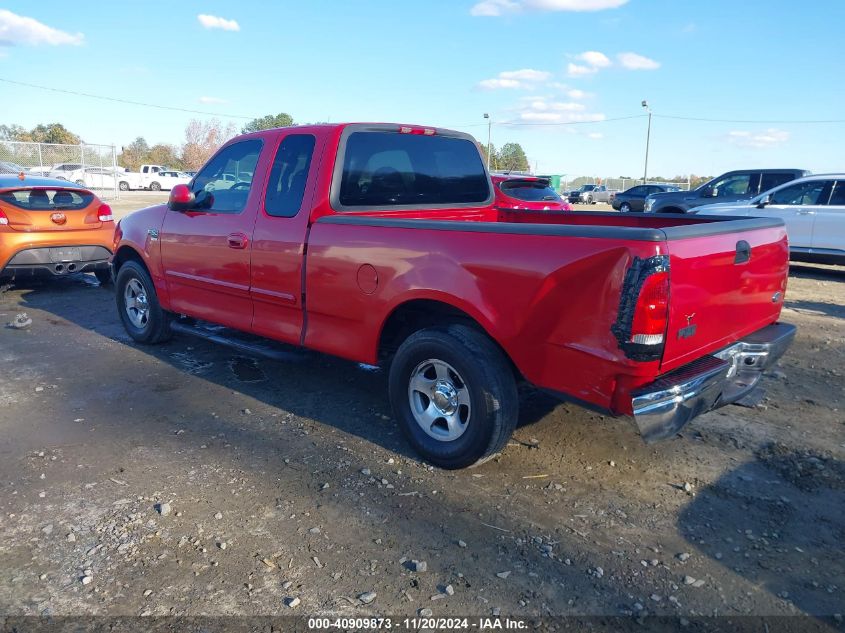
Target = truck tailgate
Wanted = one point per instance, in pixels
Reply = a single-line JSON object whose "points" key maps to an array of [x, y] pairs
{"points": [[723, 286]]}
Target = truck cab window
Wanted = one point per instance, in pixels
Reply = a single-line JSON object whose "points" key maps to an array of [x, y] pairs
{"points": [[386, 169], [288, 175], [223, 185]]}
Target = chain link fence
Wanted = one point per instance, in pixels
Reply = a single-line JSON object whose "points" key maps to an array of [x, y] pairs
{"points": [[92, 166]]}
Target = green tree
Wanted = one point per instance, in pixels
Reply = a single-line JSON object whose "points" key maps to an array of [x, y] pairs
{"points": [[283, 119], [493, 162], [14, 133], [135, 154], [54, 133], [512, 158], [164, 154]]}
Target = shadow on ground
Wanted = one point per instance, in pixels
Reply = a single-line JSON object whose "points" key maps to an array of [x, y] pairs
{"points": [[778, 522]]}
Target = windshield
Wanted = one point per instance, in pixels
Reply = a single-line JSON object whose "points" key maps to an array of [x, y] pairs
{"points": [[588, 187], [529, 190]]}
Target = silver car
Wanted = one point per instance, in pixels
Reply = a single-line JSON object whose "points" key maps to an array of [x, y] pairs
{"points": [[813, 209]]}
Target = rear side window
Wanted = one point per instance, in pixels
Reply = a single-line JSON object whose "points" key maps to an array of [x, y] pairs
{"points": [[289, 175], [770, 181], [838, 196], [47, 199], [384, 169], [530, 191]]}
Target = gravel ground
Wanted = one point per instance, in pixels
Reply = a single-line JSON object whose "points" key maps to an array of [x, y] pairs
{"points": [[187, 479]]}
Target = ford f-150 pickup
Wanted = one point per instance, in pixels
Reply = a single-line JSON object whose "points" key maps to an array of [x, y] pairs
{"points": [[382, 244]]}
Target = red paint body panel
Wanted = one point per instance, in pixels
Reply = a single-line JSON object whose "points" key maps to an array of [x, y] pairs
{"points": [[549, 300], [724, 300]]}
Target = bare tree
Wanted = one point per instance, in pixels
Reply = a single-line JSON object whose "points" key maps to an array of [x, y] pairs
{"points": [[202, 138]]}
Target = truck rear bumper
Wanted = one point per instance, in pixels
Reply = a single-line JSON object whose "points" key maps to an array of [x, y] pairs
{"points": [[663, 407]]}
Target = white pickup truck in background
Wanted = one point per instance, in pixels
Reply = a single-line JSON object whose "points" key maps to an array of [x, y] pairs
{"points": [[152, 177]]}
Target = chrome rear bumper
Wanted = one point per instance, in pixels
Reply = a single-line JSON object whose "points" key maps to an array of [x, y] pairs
{"points": [[662, 408]]}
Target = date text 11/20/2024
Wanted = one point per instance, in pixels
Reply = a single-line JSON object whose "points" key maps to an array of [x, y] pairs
{"points": [[415, 624]]}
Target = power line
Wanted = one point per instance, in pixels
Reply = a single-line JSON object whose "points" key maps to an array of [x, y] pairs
{"points": [[761, 121], [117, 100], [548, 123], [502, 123]]}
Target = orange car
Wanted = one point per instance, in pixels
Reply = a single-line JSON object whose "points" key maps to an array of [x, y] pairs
{"points": [[52, 228]]}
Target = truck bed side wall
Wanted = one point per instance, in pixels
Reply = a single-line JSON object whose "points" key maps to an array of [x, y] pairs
{"points": [[548, 301]]}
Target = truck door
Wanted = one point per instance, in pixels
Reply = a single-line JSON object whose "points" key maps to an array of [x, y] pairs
{"points": [[278, 246], [205, 252]]}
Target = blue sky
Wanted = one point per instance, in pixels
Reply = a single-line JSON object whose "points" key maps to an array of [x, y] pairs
{"points": [[555, 75]]}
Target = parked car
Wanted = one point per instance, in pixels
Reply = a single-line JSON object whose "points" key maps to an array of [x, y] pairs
{"points": [[741, 184], [152, 177], [100, 178], [382, 244], [527, 192], [574, 196], [813, 209], [633, 198], [599, 193], [67, 171], [7, 167], [51, 227]]}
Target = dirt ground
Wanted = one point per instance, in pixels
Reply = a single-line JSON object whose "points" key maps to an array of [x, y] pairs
{"points": [[187, 479]]}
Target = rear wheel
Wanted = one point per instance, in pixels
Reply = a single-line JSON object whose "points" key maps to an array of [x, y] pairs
{"points": [[625, 207], [123, 185], [454, 394], [137, 304]]}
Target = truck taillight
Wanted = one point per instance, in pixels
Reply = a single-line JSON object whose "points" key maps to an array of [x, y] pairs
{"points": [[3, 219], [421, 131], [640, 327], [652, 310], [104, 213]]}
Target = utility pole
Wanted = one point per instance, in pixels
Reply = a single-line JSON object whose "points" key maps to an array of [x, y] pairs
{"points": [[489, 132], [647, 141]]}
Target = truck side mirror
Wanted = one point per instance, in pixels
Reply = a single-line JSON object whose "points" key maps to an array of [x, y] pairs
{"points": [[181, 198]]}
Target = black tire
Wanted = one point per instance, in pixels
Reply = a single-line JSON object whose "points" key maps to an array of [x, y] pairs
{"points": [[156, 327], [123, 185], [154, 186], [104, 277], [484, 373], [589, 200], [625, 207]]}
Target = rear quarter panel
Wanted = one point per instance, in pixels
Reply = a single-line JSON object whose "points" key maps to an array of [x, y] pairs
{"points": [[548, 301]]}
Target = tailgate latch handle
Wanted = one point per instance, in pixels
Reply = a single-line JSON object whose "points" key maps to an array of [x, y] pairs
{"points": [[743, 252]]}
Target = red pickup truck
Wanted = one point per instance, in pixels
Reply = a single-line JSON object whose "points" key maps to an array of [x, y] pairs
{"points": [[382, 244]]}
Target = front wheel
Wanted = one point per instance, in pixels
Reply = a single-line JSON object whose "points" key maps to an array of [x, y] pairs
{"points": [[454, 394], [154, 186], [137, 304], [625, 208]]}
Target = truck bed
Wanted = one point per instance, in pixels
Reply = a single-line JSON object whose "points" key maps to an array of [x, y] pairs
{"points": [[563, 274]]}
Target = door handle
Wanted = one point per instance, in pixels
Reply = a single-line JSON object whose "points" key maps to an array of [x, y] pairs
{"points": [[805, 212], [237, 240]]}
